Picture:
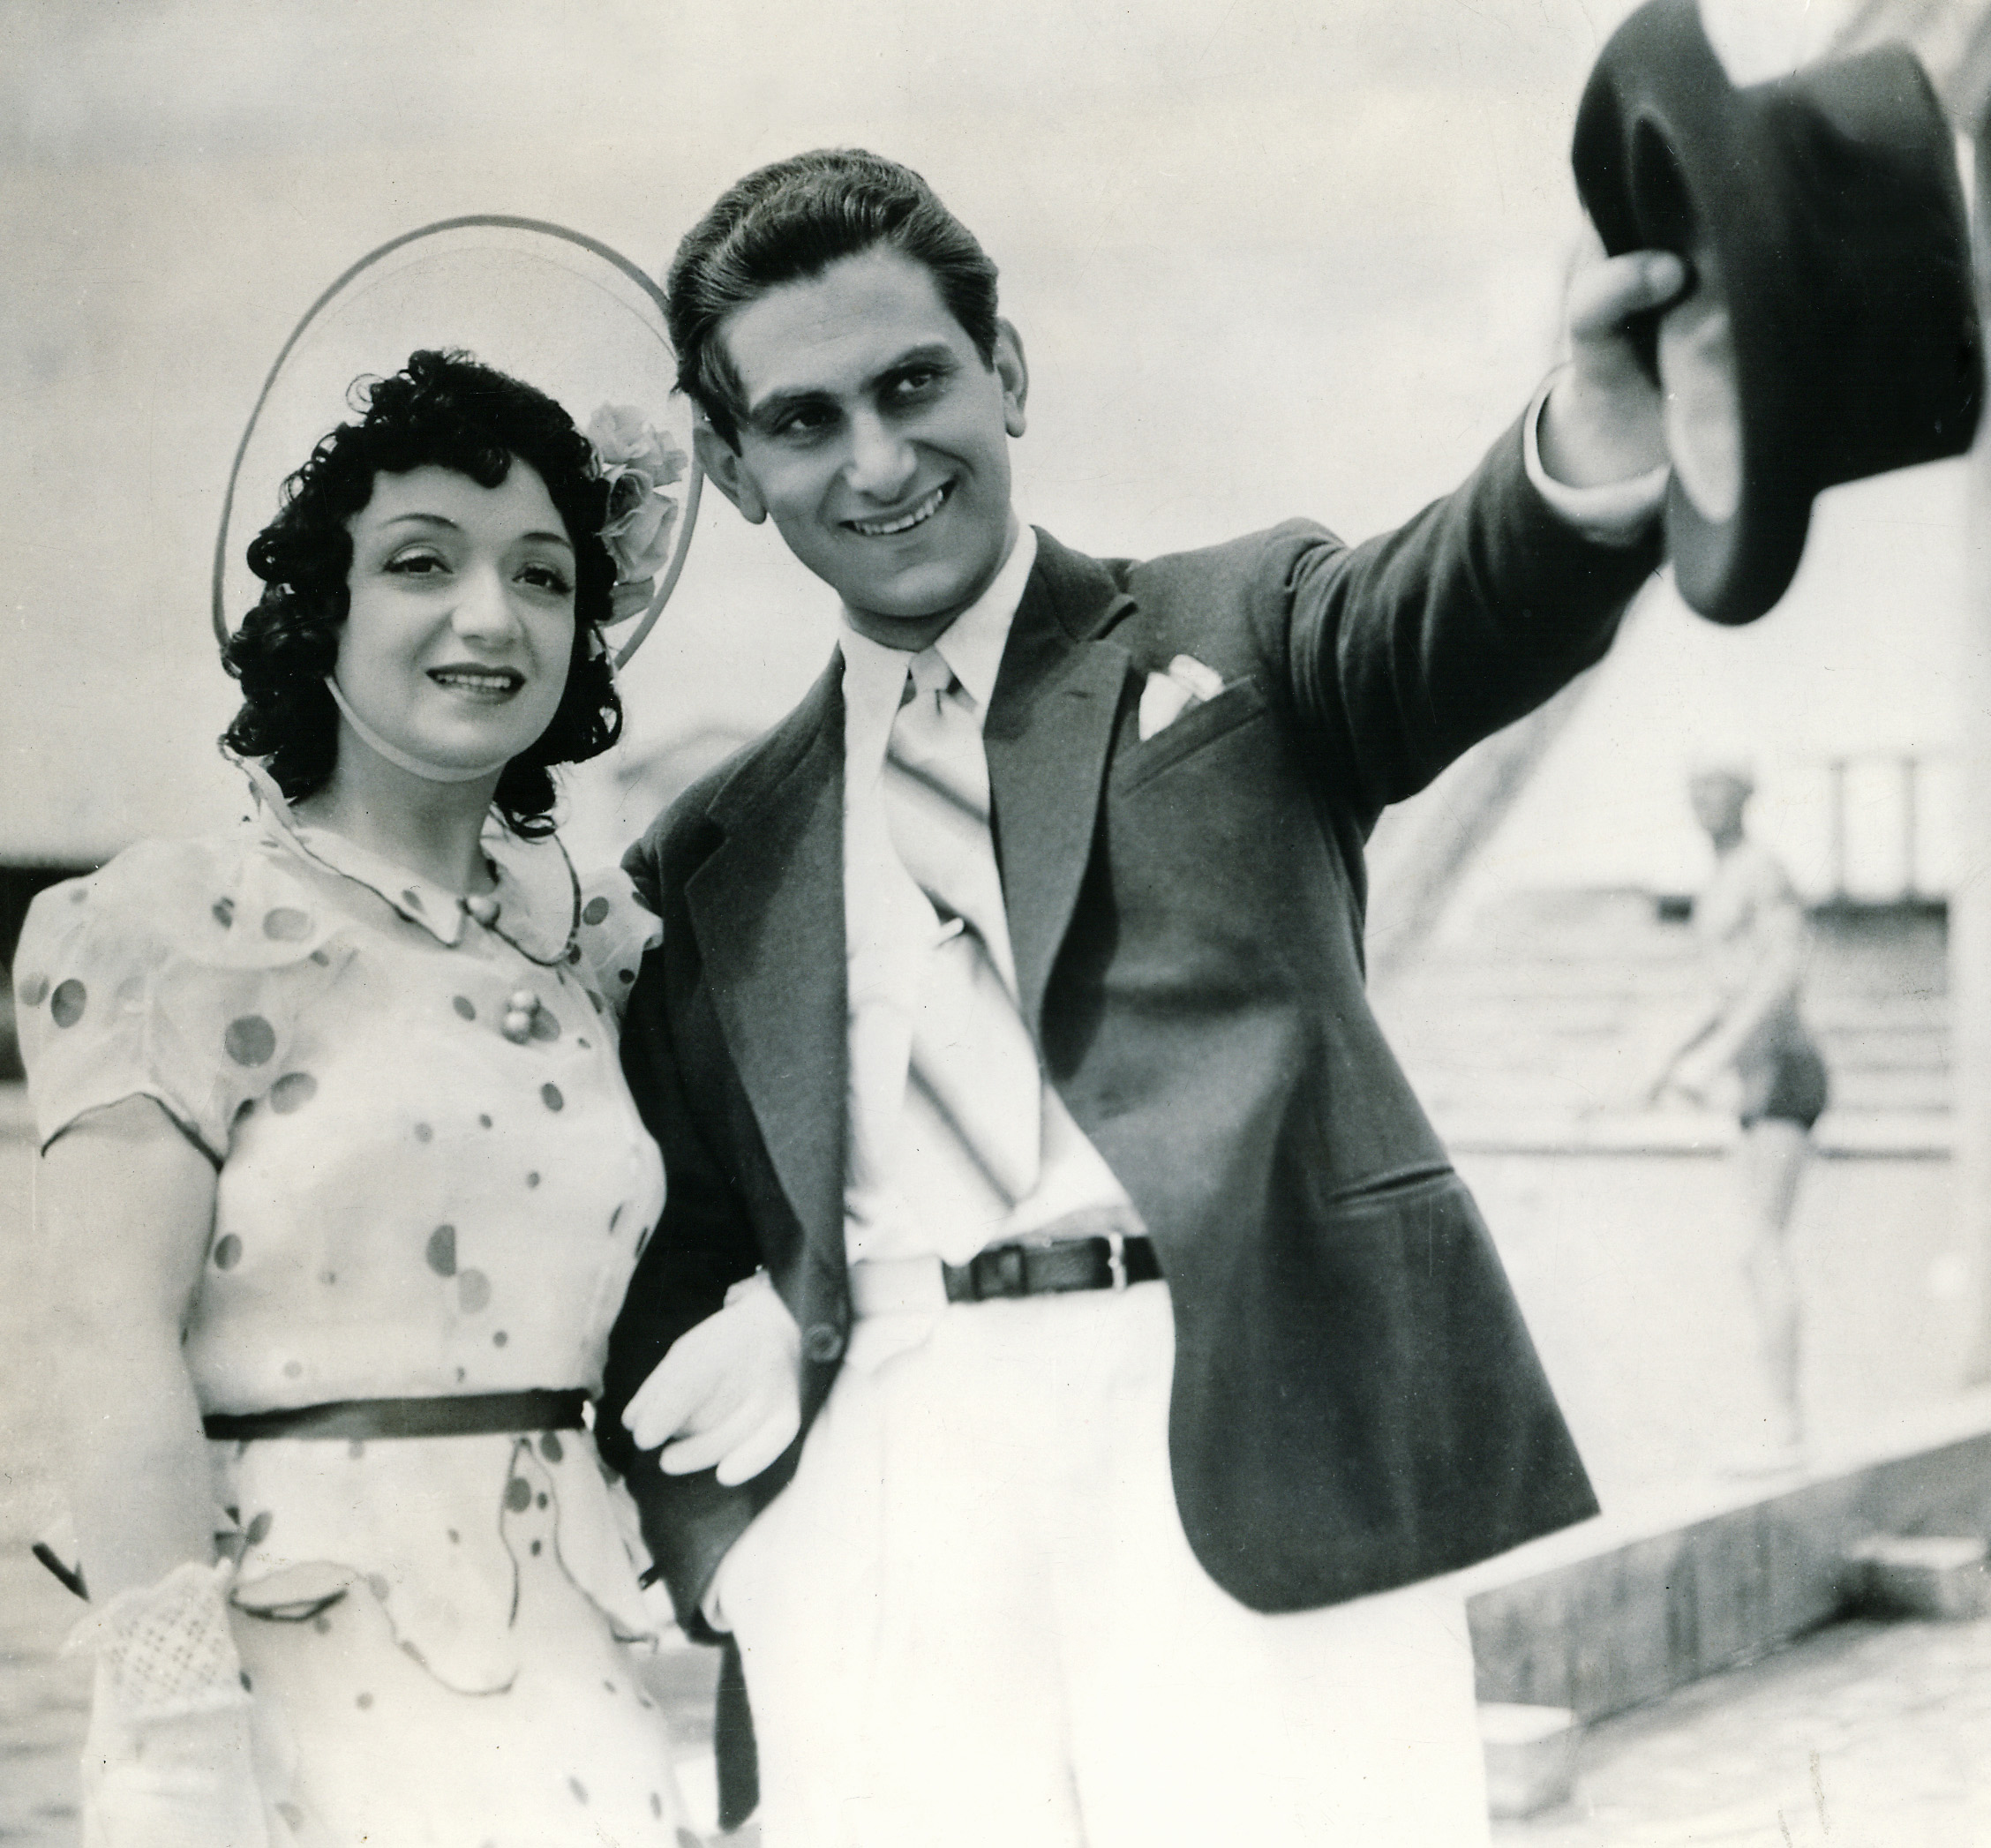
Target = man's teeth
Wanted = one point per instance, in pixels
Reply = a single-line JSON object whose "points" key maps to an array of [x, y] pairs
{"points": [[884, 528]]}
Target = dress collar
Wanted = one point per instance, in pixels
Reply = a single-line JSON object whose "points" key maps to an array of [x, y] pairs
{"points": [[532, 881]]}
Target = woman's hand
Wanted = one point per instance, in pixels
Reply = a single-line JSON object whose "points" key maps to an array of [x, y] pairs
{"points": [[727, 1394], [184, 1782], [169, 1762]]}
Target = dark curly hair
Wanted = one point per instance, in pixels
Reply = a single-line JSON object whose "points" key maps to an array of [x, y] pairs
{"points": [[442, 409]]}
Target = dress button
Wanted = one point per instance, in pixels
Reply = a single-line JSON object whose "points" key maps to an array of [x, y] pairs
{"points": [[823, 1341]]}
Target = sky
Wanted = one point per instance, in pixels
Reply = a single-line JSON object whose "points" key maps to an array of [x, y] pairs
{"points": [[1267, 259]]}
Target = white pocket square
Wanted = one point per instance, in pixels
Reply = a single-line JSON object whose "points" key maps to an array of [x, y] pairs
{"points": [[1167, 697]]}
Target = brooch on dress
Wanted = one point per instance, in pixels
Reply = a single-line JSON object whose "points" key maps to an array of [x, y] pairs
{"points": [[521, 1005]]}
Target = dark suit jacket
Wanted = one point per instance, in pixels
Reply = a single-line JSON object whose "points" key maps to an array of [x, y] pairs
{"points": [[1357, 1403]]}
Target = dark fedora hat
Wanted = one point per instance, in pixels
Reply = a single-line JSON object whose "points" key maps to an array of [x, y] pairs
{"points": [[1830, 329]]}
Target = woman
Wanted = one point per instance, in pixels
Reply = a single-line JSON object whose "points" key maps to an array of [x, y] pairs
{"points": [[343, 1186], [1750, 1050]]}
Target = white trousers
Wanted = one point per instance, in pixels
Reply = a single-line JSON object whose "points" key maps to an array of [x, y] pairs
{"points": [[972, 1617]]}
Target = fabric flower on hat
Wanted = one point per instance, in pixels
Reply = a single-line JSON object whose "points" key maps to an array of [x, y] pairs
{"points": [[639, 465]]}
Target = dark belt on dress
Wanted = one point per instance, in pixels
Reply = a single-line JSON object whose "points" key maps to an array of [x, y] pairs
{"points": [[464, 1414]]}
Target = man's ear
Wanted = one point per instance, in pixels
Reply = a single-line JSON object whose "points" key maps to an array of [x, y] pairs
{"points": [[1014, 371], [726, 468]]}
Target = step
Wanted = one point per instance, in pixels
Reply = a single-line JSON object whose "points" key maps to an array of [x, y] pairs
{"points": [[1695, 1578]]}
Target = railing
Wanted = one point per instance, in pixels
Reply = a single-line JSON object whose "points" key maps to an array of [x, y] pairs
{"points": [[1877, 809]]}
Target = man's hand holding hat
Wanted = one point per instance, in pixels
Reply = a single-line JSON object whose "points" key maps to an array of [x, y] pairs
{"points": [[1602, 422]]}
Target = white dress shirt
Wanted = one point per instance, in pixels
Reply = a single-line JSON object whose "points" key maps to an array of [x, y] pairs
{"points": [[890, 927]]}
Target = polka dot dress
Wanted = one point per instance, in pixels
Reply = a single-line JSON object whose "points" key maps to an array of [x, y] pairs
{"points": [[430, 1181]]}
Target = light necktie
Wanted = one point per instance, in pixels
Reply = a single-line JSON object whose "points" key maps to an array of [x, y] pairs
{"points": [[974, 1065]]}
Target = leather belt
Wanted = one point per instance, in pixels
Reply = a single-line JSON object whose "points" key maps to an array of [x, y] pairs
{"points": [[464, 1414], [901, 1285]]}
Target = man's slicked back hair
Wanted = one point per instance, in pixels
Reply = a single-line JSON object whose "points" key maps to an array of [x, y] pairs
{"points": [[788, 222]]}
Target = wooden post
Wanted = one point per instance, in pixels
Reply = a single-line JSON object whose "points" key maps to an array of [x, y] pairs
{"points": [[1970, 901]]}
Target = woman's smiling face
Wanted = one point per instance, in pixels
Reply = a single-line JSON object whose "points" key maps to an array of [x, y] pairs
{"points": [[459, 629]]}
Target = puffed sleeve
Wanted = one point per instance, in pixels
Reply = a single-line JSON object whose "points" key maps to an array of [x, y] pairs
{"points": [[616, 929], [177, 972]]}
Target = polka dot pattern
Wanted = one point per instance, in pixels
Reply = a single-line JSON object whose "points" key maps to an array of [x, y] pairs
{"points": [[596, 910], [344, 1064], [292, 1091], [249, 1040]]}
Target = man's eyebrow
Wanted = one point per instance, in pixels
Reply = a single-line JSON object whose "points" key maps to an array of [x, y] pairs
{"points": [[935, 354]]}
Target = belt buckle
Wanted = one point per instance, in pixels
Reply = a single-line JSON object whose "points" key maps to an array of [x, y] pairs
{"points": [[1116, 1259], [1000, 1271]]}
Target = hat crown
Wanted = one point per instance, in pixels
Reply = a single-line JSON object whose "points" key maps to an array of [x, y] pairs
{"points": [[1824, 210]]}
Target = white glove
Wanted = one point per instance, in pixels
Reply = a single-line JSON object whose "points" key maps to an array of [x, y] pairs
{"points": [[167, 1763], [728, 1392]]}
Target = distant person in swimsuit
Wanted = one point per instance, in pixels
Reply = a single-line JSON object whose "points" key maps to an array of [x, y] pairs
{"points": [[1750, 1050]]}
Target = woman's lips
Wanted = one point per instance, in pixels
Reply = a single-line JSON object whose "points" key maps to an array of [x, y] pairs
{"points": [[479, 682]]}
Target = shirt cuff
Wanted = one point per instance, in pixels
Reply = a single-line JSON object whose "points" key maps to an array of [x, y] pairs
{"points": [[1616, 514]]}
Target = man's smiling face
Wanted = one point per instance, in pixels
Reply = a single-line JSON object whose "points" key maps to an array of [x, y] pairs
{"points": [[876, 439]]}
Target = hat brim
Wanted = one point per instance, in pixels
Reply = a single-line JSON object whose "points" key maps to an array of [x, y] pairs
{"points": [[1824, 212], [559, 310]]}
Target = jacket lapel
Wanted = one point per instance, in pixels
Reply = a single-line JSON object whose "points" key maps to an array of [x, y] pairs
{"points": [[1050, 724], [767, 908]]}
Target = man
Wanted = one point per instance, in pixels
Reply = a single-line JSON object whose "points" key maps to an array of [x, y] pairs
{"points": [[1748, 1048], [1031, 1149]]}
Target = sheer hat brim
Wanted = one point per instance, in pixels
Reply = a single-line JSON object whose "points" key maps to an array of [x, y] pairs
{"points": [[560, 311]]}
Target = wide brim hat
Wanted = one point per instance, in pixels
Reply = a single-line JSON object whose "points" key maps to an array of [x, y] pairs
{"points": [[1830, 331], [561, 311]]}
